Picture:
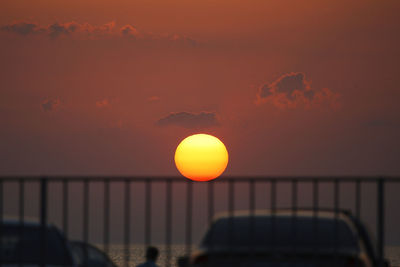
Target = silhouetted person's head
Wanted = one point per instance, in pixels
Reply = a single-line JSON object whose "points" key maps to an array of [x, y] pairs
{"points": [[151, 253]]}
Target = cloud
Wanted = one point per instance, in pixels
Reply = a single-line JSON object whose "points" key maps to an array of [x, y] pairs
{"points": [[23, 28], [57, 30], [88, 31], [182, 39], [105, 103], [189, 120], [292, 90], [153, 98], [130, 31], [50, 104]]}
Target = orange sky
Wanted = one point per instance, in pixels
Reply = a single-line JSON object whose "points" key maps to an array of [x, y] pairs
{"points": [[82, 97]]}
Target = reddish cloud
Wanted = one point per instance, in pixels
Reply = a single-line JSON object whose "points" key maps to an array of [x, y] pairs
{"points": [[103, 103], [130, 31], [50, 104], [57, 30], [89, 31], [292, 90], [153, 98]]}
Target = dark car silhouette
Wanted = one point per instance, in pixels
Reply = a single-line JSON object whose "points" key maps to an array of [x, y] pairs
{"points": [[28, 243], [286, 239], [87, 255]]}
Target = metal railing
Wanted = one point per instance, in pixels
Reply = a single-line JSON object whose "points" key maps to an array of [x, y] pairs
{"points": [[172, 210]]}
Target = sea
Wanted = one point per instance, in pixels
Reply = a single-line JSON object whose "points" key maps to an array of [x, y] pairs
{"points": [[137, 252]]}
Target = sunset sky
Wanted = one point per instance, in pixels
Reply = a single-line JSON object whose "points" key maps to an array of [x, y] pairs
{"points": [[112, 87]]}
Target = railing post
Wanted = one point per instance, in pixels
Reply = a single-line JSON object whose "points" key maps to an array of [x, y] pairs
{"points": [[43, 219], [381, 221], [1, 222]]}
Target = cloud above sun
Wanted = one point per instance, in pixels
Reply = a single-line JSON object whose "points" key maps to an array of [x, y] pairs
{"points": [[89, 31], [50, 104], [293, 90], [190, 120], [56, 29]]}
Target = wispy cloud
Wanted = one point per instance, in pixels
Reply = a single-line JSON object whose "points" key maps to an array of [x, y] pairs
{"points": [[89, 31], [104, 103], [153, 98]]}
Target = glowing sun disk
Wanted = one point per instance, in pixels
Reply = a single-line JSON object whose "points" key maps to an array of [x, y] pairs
{"points": [[201, 157]]}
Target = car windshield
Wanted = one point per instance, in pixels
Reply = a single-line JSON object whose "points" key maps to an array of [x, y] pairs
{"points": [[23, 245], [281, 232]]}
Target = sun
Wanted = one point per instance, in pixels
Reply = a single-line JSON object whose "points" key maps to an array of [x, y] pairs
{"points": [[201, 157]]}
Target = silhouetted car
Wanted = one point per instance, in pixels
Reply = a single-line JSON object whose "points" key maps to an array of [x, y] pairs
{"points": [[31, 244], [90, 256], [280, 238]]}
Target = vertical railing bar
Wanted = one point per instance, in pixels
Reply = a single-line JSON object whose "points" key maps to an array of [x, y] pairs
{"points": [[211, 209], [273, 210], [231, 206], [231, 199], [336, 214], [273, 196], [65, 208], [1, 221], [210, 201], [43, 220], [315, 216], [127, 222], [106, 225], [189, 204], [85, 217], [294, 214], [21, 201], [21, 216], [252, 206], [148, 213], [168, 222], [252, 195], [381, 221], [294, 195], [358, 199]]}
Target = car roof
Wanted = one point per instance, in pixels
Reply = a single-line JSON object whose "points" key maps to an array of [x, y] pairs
{"points": [[245, 219]]}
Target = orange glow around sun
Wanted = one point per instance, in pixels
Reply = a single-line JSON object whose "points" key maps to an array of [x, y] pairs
{"points": [[201, 157]]}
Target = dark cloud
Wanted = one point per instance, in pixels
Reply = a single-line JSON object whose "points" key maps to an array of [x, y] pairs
{"points": [[89, 31], [291, 90], [56, 29], [60, 29], [130, 31], [189, 120], [22, 28], [309, 94], [289, 84], [265, 91], [50, 104]]}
